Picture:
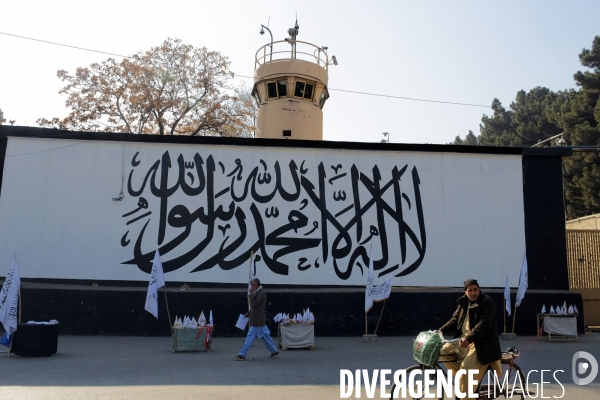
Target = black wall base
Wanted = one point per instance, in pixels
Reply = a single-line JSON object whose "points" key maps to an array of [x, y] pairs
{"points": [[338, 312]]}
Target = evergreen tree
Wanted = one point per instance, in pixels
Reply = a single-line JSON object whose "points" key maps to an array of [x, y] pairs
{"points": [[470, 140], [498, 130], [577, 112], [540, 114]]}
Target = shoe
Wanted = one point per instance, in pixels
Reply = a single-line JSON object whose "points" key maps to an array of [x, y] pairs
{"points": [[238, 357], [274, 354]]}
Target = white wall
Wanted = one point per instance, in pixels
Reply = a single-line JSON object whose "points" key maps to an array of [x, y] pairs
{"points": [[57, 213]]}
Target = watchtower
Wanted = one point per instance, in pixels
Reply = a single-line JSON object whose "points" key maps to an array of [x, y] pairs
{"points": [[290, 88]]}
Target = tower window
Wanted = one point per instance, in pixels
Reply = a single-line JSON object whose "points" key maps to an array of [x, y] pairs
{"points": [[308, 92], [304, 90], [282, 87], [272, 90], [256, 98], [299, 92], [324, 96], [277, 89]]}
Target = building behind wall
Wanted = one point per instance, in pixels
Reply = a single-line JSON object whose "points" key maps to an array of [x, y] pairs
{"points": [[583, 250]]}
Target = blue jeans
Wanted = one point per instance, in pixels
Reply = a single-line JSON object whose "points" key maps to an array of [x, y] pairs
{"points": [[261, 332]]}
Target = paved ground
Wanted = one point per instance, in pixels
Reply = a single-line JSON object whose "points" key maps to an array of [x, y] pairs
{"points": [[100, 367]]}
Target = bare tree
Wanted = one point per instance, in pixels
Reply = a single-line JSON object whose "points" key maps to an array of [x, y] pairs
{"points": [[172, 89]]}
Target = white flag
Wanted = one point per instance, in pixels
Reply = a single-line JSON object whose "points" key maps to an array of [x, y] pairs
{"points": [[382, 292], [368, 295], [251, 275], [507, 296], [379, 292], [210, 320], [9, 297], [157, 280], [523, 282], [7, 283]]}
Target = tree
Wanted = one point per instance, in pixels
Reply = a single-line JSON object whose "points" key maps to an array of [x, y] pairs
{"points": [[530, 121], [172, 89], [470, 140], [577, 112], [540, 114], [525, 123], [246, 111], [498, 130]]}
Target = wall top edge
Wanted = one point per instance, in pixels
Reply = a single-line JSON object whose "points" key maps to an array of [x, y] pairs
{"points": [[45, 133]]}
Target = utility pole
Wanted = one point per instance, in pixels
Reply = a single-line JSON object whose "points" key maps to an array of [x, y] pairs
{"points": [[2, 117]]}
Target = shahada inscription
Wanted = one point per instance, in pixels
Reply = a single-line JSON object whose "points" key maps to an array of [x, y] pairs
{"points": [[220, 211]]}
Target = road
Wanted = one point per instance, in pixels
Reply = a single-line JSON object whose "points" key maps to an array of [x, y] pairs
{"points": [[103, 367]]}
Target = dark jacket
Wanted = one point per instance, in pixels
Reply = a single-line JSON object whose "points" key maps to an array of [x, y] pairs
{"points": [[484, 331], [258, 301]]}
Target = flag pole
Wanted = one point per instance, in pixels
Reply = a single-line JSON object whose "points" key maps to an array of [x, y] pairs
{"points": [[249, 271], [247, 298], [379, 320], [367, 288], [504, 315], [514, 318], [168, 313], [12, 336]]}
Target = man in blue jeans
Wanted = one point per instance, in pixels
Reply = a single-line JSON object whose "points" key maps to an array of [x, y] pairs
{"points": [[258, 327]]}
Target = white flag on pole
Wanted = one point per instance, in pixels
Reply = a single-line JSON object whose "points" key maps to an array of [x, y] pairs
{"points": [[523, 282], [379, 292], [9, 298], [507, 296], [251, 275], [368, 295], [157, 280], [7, 283], [382, 292]]}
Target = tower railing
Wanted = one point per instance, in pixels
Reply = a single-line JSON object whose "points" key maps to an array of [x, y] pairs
{"points": [[292, 51]]}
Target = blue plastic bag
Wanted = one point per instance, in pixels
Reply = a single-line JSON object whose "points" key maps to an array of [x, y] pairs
{"points": [[6, 339]]}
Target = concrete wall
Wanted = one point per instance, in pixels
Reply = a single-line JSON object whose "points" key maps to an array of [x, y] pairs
{"points": [[466, 211], [311, 215], [591, 222], [338, 312]]}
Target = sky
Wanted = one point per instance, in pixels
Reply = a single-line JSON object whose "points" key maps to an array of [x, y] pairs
{"points": [[451, 51]]}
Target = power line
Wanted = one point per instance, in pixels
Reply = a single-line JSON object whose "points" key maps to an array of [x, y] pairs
{"points": [[63, 45], [410, 98], [250, 77], [393, 97], [42, 151]]}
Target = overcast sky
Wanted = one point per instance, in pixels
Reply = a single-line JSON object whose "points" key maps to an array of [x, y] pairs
{"points": [[454, 51]]}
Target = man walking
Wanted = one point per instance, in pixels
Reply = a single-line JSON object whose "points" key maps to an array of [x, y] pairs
{"points": [[258, 327]]}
